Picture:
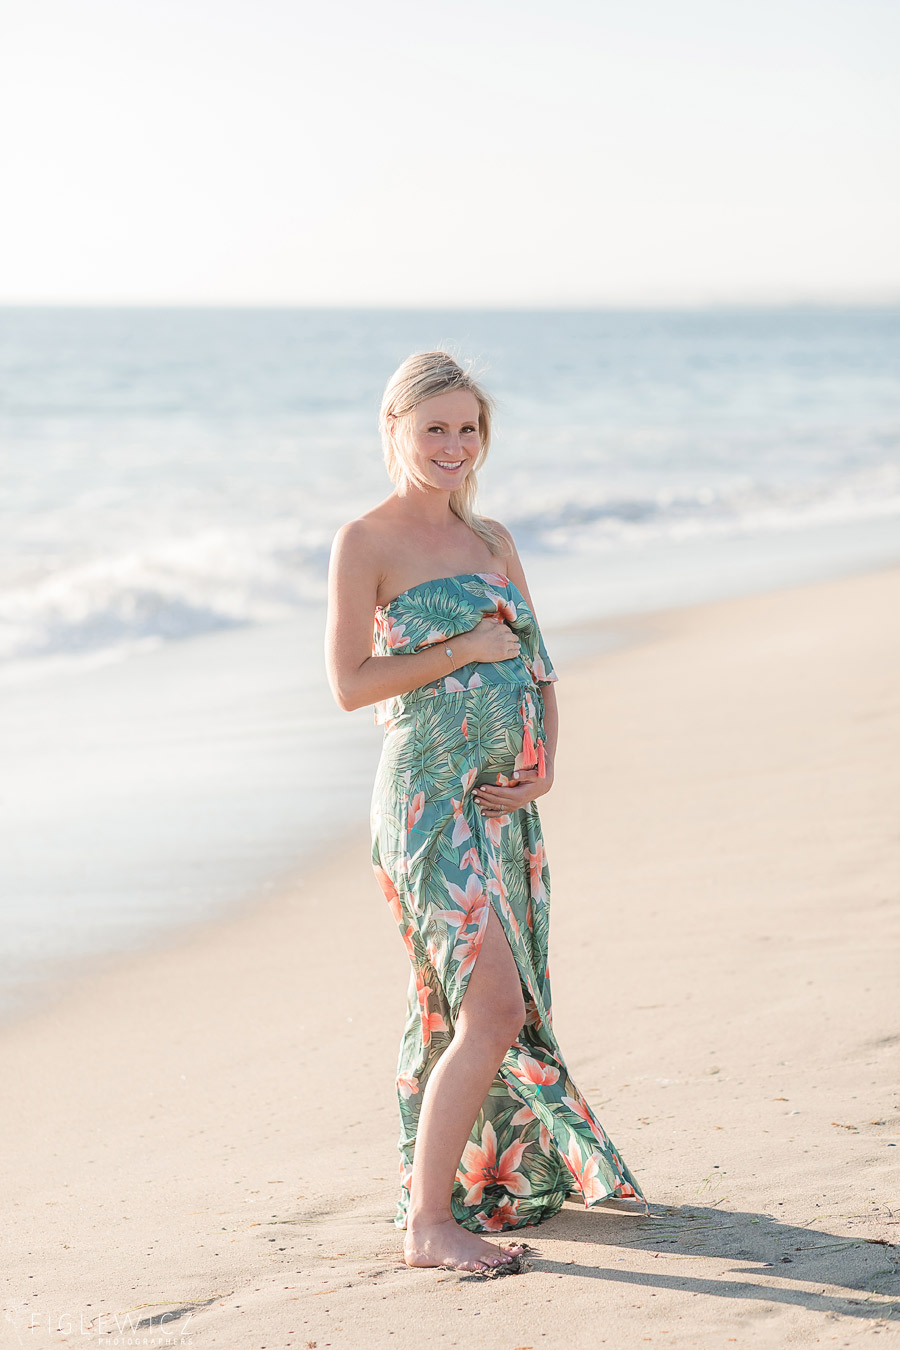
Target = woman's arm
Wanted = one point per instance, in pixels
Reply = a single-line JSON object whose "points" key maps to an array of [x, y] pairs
{"points": [[358, 678]]}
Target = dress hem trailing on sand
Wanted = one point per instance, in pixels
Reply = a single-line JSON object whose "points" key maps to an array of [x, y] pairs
{"points": [[442, 867]]}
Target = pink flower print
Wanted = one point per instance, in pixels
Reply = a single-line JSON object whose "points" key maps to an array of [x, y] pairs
{"points": [[454, 918], [396, 632], [493, 828], [493, 578], [545, 1139], [577, 1107], [466, 953], [496, 885], [472, 913], [479, 912], [415, 811], [468, 946], [580, 1108], [587, 1175], [530, 1070], [467, 899], [465, 726], [536, 864], [506, 610], [408, 943], [454, 686], [390, 892], [471, 859], [461, 830], [623, 1188], [430, 1021], [540, 674], [523, 1117], [434, 635], [504, 1216], [407, 1085], [480, 1167]]}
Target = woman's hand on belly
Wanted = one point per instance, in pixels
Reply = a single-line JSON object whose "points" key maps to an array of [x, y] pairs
{"points": [[491, 640], [526, 785]]}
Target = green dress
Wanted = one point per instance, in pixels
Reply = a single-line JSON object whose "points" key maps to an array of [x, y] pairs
{"points": [[441, 865]]}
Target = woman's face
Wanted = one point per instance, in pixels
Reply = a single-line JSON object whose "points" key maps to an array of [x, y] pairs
{"points": [[445, 441]]}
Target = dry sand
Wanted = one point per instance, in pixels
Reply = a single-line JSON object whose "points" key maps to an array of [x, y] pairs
{"points": [[203, 1136]]}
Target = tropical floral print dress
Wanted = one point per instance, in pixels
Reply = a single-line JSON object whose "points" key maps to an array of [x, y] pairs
{"points": [[442, 866]]}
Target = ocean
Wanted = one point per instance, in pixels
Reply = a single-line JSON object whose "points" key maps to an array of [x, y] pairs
{"points": [[171, 482]]}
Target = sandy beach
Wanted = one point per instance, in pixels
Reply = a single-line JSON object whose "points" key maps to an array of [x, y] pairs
{"points": [[201, 1140]]}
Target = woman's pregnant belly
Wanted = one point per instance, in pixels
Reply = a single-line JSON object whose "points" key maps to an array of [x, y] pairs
{"points": [[443, 744]]}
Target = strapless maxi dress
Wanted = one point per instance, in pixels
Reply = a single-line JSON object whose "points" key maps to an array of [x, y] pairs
{"points": [[442, 866]]}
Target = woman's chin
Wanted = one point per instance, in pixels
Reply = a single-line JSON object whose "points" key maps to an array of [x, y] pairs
{"points": [[449, 480]]}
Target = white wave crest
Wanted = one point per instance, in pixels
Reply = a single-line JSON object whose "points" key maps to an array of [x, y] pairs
{"points": [[163, 590]]}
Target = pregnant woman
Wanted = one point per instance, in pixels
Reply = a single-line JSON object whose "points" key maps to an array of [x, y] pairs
{"points": [[494, 1133]]}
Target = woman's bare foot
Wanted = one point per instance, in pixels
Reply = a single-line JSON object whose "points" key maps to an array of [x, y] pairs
{"points": [[446, 1244]]}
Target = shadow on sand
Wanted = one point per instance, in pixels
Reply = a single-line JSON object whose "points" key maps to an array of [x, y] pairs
{"points": [[780, 1262]]}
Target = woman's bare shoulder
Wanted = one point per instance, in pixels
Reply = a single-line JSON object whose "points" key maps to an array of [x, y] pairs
{"points": [[362, 545], [504, 533]]}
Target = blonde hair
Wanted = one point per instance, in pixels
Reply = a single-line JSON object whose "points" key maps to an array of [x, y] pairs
{"points": [[422, 376]]}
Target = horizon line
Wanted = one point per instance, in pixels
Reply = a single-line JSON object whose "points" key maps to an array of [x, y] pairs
{"points": [[886, 301]]}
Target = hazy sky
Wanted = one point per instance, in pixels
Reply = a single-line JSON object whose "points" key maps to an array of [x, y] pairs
{"points": [[509, 152]]}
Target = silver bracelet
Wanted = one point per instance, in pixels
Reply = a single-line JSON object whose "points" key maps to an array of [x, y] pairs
{"points": [[449, 652]]}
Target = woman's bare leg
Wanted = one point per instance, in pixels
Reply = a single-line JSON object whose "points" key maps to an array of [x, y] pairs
{"points": [[490, 1018]]}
